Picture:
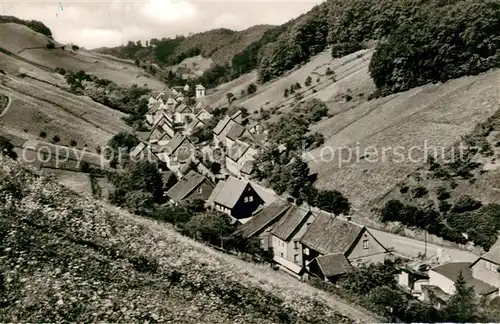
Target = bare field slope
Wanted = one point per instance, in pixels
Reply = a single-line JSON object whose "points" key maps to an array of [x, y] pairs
{"points": [[429, 116], [37, 107], [88, 261], [436, 114], [31, 46]]}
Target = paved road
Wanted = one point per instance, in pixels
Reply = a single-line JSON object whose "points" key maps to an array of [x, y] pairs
{"points": [[410, 247]]}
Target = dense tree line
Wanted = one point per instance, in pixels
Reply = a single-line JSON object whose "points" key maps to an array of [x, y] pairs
{"points": [[481, 224], [35, 25]]}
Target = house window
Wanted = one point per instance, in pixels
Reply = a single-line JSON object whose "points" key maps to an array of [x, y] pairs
{"points": [[489, 265], [281, 254], [308, 224], [295, 244], [200, 190], [248, 199], [365, 245], [306, 251], [296, 258]]}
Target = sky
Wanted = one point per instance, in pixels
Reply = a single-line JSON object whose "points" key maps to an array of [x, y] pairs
{"points": [[99, 23]]}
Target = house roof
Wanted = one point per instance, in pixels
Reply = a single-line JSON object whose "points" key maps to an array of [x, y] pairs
{"points": [[183, 108], [200, 87], [174, 144], [235, 132], [247, 167], [287, 225], [237, 150], [171, 100], [221, 125], [215, 193], [333, 264], [264, 217], [137, 150], [186, 185], [155, 106], [451, 270], [328, 234], [231, 192], [493, 255], [236, 114]]}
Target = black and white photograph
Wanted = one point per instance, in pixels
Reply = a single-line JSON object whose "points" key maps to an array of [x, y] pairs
{"points": [[237, 161]]}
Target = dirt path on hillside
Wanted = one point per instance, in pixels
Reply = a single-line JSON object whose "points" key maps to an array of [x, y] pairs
{"points": [[5, 109]]}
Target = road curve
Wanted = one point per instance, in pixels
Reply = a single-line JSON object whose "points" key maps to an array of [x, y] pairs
{"points": [[411, 247]]}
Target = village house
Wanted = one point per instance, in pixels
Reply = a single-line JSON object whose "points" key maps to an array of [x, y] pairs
{"points": [[236, 198], [341, 240], [261, 223], [177, 153], [202, 113], [186, 88], [285, 238], [200, 91], [163, 128], [184, 114], [234, 133], [220, 131], [237, 156], [486, 268], [192, 186], [482, 275], [247, 171]]}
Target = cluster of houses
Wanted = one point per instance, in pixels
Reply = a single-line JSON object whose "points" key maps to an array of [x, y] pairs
{"points": [[304, 241]]}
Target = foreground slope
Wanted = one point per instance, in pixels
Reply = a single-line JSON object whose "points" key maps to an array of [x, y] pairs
{"points": [[71, 258]]}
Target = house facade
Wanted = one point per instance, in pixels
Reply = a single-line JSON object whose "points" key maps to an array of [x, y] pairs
{"points": [[262, 221], [486, 268], [285, 239]]}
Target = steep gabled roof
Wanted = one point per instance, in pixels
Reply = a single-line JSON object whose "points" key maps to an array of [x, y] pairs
{"points": [[221, 125], [231, 192], [174, 144], [293, 218], [237, 150], [265, 217], [235, 132], [183, 108], [493, 255], [333, 264], [186, 185], [137, 150], [328, 234], [248, 167], [200, 87], [215, 193]]}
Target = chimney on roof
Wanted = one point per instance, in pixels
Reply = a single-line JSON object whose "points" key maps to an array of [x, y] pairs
{"points": [[348, 217]]}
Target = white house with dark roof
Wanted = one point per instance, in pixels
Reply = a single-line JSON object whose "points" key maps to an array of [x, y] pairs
{"points": [[236, 198], [482, 275], [220, 131], [331, 235], [200, 91], [285, 238]]}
